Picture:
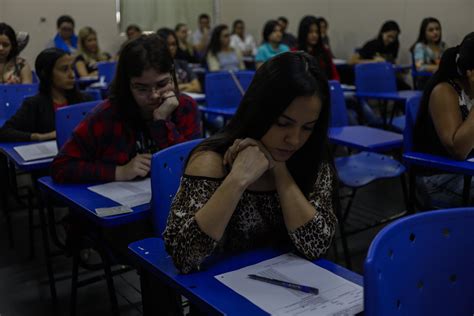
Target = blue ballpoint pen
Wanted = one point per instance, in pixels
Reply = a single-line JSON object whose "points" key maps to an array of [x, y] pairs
{"points": [[293, 286]]}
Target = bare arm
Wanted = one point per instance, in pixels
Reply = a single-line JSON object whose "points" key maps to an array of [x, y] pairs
{"points": [[26, 75], [82, 69], [456, 135]]}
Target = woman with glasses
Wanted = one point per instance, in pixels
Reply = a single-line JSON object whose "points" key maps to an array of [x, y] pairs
{"points": [[145, 113], [220, 55]]}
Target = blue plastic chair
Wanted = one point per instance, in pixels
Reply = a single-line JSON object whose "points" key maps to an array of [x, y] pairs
{"points": [[12, 96], [414, 160], [106, 69], [356, 136], [68, 117], [167, 167], [95, 94], [418, 74], [422, 265]]}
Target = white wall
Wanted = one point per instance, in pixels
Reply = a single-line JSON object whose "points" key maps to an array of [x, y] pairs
{"points": [[351, 22]]}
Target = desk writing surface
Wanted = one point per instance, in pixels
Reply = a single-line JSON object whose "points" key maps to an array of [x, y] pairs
{"points": [[12, 154]]}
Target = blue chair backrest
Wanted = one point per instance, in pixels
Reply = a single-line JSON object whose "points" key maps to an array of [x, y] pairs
{"points": [[375, 77], [422, 265], [411, 112], [95, 94], [106, 69], [68, 117], [221, 90], [12, 96], [339, 117], [167, 167]]}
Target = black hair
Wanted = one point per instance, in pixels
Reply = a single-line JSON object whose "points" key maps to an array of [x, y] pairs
{"points": [[274, 87], [234, 25], [204, 16], [422, 33], [322, 20], [178, 26], [165, 32], [133, 27], [145, 52], [44, 66], [215, 42], [64, 19], [389, 26], [318, 50], [268, 29], [8, 31], [282, 18], [454, 64]]}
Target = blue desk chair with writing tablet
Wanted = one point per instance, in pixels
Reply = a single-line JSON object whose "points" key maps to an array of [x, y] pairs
{"points": [[106, 69], [68, 117], [12, 96], [422, 265], [167, 167]]}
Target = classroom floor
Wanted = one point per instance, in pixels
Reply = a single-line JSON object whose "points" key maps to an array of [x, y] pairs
{"points": [[24, 287]]}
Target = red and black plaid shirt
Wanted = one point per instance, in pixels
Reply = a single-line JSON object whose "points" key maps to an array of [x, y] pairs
{"points": [[102, 141]]}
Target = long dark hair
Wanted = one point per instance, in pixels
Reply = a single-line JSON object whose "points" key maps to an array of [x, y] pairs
{"points": [[454, 64], [275, 85], [422, 33], [318, 50], [389, 26], [44, 66], [215, 42], [145, 52], [8, 31]]}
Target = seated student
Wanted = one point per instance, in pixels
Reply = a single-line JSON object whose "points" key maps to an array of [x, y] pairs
{"points": [[185, 49], [429, 46], [241, 41], [13, 68], [286, 38], [309, 40], [186, 78], [267, 178], [201, 37], [145, 113], [323, 29], [133, 31], [89, 53], [271, 45], [220, 56], [445, 122], [65, 39], [34, 121]]}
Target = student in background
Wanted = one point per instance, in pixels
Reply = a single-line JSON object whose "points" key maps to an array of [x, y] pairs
{"points": [[65, 39], [241, 41], [323, 29], [267, 178], [35, 120], [287, 38], [13, 68], [309, 40], [220, 55], [186, 78], [271, 45], [145, 113], [185, 49], [445, 122], [429, 46], [201, 37], [89, 53], [133, 31]]}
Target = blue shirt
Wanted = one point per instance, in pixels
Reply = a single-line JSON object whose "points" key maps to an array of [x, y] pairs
{"points": [[266, 51]]}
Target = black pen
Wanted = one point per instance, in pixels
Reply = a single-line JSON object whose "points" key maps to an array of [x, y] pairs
{"points": [[288, 285]]}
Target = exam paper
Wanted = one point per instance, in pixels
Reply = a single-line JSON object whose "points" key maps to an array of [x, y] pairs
{"points": [[337, 296], [37, 151], [196, 96], [130, 193]]}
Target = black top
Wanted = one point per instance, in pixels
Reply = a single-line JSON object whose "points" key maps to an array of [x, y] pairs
{"points": [[185, 55], [36, 115], [184, 74], [377, 47], [289, 40], [425, 137]]}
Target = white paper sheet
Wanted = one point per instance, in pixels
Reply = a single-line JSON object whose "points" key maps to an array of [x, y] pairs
{"points": [[337, 296], [130, 193], [37, 151], [196, 96]]}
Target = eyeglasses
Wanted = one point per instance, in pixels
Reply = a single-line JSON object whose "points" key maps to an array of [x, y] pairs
{"points": [[146, 91]]}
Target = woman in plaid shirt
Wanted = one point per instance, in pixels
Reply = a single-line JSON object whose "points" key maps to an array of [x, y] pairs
{"points": [[145, 113]]}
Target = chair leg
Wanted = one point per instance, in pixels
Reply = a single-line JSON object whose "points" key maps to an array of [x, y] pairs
{"points": [[406, 198], [110, 281], [47, 254], [342, 219], [75, 272], [31, 224], [412, 193], [466, 192]]}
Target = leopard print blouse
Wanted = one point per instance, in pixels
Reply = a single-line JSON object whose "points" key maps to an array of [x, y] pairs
{"points": [[257, 221]]}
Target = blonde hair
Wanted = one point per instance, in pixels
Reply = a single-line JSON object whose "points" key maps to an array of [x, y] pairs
{"points": [[84, 33]]}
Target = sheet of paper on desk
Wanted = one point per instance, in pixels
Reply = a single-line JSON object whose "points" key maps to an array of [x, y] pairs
{"points": [[130, 193], [337, 296], [37, 151], [196, 96]]}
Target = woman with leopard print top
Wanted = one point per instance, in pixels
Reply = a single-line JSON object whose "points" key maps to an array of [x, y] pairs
{"points": [[267, 178]]}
